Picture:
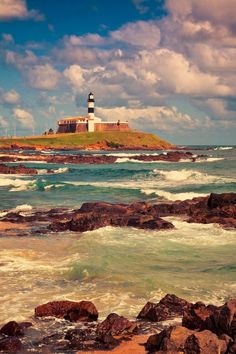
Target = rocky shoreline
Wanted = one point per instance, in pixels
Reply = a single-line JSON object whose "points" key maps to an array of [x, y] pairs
{"points": [[73, 327], [217, 209], [171, 156]]}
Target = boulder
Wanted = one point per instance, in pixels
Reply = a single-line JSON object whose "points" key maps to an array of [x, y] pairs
{"points": [[169, 307], [180, 339], [198, 316], [88, 221], [12, 328], [83, 310], [115, 325], [10, 345]]}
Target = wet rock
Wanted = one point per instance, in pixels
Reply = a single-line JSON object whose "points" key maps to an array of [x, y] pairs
{"points": [[88, 222], [217, 208], [12, 328], [85, 310], [116, 325], [198, 316], [169, 307], [10, 345], [20, 169], [180, 339], [220, 320], [87, 339]]}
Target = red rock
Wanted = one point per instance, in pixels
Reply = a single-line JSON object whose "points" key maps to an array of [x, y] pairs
{"points": [[10, 345], [20, 169], [169, 307], [198, 316], [12, 328], [180, 339], [86, 311], [115, 325]]}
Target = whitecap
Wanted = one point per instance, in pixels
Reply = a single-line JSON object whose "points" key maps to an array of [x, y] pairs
{"points": [[224, 148], [172, 196]]}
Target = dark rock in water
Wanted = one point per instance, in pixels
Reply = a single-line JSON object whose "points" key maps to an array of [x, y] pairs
{"points": [[10, 345], [177, 339], [12, 328], [87, 339], [169, 307], [20, 169], [217, 208], [88, 222], [85, 310], [115, 325]]}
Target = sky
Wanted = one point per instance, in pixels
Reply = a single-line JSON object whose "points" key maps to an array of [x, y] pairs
{"points": [[166, 66]]}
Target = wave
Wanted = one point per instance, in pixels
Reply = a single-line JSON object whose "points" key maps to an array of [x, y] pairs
{"points": [[126, 159], [61, 170], [224, 148], [172, 196], [18, 209], [127, 154], [16, 184], [190, 177], [210, 159]]}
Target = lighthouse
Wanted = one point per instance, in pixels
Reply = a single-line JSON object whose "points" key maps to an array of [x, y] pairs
{"points": [[91, 105]]}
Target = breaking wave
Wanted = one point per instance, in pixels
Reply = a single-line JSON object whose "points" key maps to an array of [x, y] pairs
{"points": [[17, 209], [224, 148], [173, 196]]}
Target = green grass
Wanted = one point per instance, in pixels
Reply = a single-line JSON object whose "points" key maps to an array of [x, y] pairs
{"points": [[129, 139]]}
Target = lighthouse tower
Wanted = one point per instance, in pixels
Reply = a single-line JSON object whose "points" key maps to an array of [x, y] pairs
{"points": [[91, 105]]}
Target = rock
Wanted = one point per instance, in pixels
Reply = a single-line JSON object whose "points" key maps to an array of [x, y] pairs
{"points": [[12, 328], [180, 339], [115, 325], [84, 310], [10, 345], [169, 307], [220, 200], [204, 342], [87, 339], [220, 320], [197, 316], [20, 169], [88, 222]]}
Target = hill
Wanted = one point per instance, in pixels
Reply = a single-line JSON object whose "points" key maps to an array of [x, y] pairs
{"points": [[90, 141]]}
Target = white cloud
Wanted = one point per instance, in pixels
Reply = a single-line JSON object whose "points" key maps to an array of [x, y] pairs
{"points": [[159, 118], [3, 122], [25, 118], [17, 9], [75, 76], [141, 33], [11, 97], [43, 77]]}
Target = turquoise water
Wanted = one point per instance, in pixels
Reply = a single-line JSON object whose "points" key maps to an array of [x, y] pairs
{"points": [[120, 269]]}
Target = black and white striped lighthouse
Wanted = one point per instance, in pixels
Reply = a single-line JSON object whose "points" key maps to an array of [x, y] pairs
{"points": [[91, 105]]}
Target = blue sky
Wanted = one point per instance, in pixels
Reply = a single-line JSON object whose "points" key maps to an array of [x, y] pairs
{"points": [[167, 67]]}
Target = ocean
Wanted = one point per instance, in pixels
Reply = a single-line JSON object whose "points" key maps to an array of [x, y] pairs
{"points": [[119, 269]]}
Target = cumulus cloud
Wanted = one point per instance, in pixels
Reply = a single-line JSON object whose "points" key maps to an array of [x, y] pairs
{"points": [[158, 118], [17, 9], [10, 97], [141, 33], [75, 76], [3, 122], [25, 118], [43, 77]]}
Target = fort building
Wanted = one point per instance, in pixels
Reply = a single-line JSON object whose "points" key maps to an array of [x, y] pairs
{"points": [[90, 123]]}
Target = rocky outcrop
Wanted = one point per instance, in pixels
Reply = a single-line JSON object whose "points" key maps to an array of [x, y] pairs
{"points": [[217, 208], [167, 308], [171, 156], [20, 169], [70, 310]]}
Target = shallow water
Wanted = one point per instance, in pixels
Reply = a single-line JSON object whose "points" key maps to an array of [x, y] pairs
{"points": [[119, 269]]}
